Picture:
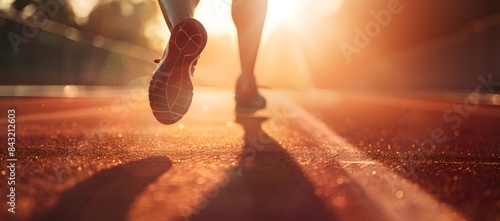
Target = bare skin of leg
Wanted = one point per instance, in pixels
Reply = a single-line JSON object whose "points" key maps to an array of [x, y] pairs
{"points": [[175, 11], [249, 17]]}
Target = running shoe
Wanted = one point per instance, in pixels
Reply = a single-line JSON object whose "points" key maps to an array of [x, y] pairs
{"points": [[248, 99], [171, 89]]}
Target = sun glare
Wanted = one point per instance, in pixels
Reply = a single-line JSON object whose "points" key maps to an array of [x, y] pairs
{"points": [[216, 14], [280, 11]]}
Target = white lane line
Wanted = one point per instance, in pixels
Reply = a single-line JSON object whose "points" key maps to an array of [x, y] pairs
{"points": [[382, 186]]}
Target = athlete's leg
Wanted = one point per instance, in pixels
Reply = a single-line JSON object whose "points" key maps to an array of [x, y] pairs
{"points": [[249, 17], [175, 11]]}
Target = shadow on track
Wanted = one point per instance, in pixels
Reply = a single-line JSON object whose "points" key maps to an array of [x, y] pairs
{"points": [[266, 185], [108, 194]]}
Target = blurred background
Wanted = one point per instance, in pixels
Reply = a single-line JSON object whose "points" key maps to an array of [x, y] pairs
{"points": [[332, 44]]}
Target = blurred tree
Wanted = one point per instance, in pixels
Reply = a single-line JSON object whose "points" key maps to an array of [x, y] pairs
{"points": [[60, 55], [121, 20]]}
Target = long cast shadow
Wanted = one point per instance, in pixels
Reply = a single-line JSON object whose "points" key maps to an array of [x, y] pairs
{"points": [[266, 185], [108, 194]]}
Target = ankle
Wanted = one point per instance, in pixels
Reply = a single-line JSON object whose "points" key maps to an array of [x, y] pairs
{"points": [[247, 80], [176, 20], [247, 76]]}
